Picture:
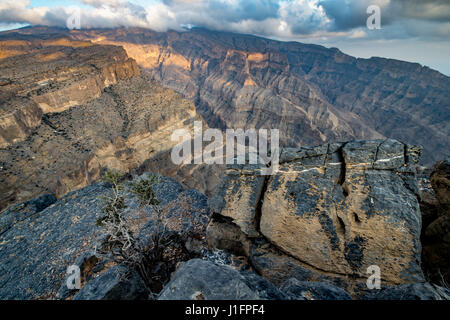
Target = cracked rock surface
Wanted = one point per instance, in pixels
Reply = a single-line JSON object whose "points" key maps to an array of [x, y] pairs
{"points": [[329, 213]]}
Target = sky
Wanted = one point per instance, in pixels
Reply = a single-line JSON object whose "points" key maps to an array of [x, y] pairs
{"points": [[411, 30]]}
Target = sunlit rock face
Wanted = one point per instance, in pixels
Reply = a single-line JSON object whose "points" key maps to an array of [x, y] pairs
{"points": [[330, 212], [70, 109], [40, 77], [311, 93]]}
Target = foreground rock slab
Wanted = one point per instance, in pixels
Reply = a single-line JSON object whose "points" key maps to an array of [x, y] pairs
{"points": [[37, 249], [203, 280], [328, 214]]}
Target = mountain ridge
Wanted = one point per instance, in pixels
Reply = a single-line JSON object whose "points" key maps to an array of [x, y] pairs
{"points": [[371, 98]]}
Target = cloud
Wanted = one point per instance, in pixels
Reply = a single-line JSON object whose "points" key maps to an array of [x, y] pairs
{"points": [[283, 19]]}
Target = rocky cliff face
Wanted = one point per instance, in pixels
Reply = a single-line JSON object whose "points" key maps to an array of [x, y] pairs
{"points": [[311, 93], [59, 74], [308, 232], [331, 212], [79, 108]]}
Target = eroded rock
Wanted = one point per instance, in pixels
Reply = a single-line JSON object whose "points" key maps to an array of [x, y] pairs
{"points": [[332, 211], [116, 283]]}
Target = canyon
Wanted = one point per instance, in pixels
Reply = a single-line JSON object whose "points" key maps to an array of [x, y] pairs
{"points": [[78, 102], [76, 109], [354, 136], [312, 94]]}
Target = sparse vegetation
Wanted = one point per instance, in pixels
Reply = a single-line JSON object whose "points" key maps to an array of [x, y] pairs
{"points": [[143, 189], [154, 261]]}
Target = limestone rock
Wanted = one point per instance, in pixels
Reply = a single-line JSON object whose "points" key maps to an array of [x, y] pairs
{"points": [[329, 213], [203, 280]]}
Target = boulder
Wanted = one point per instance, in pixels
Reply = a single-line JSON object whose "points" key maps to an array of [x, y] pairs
{"points": [[436, 234], [343, 224], [203, 280], [116, 283], [304, 290], [330, 211]]}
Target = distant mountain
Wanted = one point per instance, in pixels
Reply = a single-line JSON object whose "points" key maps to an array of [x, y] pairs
{"points": [[311, 93]]}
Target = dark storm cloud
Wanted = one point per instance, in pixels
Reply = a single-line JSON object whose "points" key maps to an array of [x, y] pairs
{"points": [[350, 14], [431, 10], [286, 19]]}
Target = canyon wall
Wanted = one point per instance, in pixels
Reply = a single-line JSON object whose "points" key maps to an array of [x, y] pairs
{"points": [[77, 109], [311, 93], [51, 76]]}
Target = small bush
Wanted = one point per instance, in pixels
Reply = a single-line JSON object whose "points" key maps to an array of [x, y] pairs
{"points": [[154, 262], [143, 189]]}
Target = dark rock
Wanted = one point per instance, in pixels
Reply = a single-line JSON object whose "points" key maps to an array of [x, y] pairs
{"points": [[22, 211], [303, 290], [117, 283], [201, 279], [413, 291], [36, 251], [436, 233]]}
